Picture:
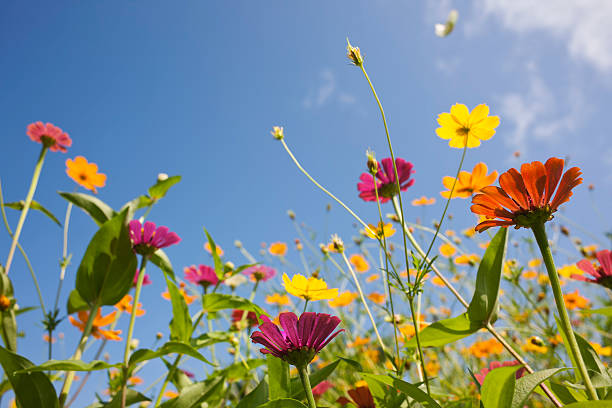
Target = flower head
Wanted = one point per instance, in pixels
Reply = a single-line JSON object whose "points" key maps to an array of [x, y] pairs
{"points": [[249, 317], [343, 299], [208, 249], [235, 280], [260, 272], [49, 135], [148, 239], [497, 364], [419, 202], [464, 127], [202, 275], [468, 184], [382, 230], [125, 305], [361, 397], [353, 54], [602, 274], [278, 299], [321, 388], [526, 198], [277, 132], [385, 180], [99, 321], [575, 301], [278, 249], [359, 263], [85, 174], [308, 288], [189, 299], [146, 280], [300, 339]]}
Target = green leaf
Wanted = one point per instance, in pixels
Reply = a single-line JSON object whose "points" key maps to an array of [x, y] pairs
{"points": [[97, 209], [219, 270], [76, 302], [131, 397], [590, 404], [107, 269], [195, 394], [137, 203], [483, 307], [297, 390], [278, 378], [161, 260], [180, 326], [498, 387], [170, 347], [9, 322], [446, 331], [565, 394], [69, 365], [352, 363], [34, 205], [238, 371], [23, 310], [31, 390], [178, 378], [210, 338], [159, 189], [404, 387], [213, 302], [525, 385], [255, 398], [604, 311], [283, 403]]}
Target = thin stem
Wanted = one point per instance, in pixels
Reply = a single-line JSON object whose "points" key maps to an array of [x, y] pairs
{"points": [[167, 379], [305, 306], [77, 355], [417, 337], [363, 300], [539, 232], [65, 261], [26, 207], [128, 340], [303, 370]]}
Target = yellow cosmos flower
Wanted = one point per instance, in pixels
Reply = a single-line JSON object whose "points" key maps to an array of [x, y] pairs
{"points": [[602, 351], [465, 259], [418, 202], [447, 250], [278, 248], [278, 299], [468, 184], [383, 229], [343, 299], [372, 278], [530, 274], [534, 263], [209, 249], [377, 298], [486, 348], [85, 174], [535, 344], [469, 232], [359, 263], [308, 288], [543, 279], [464, 127], [568, 270]]}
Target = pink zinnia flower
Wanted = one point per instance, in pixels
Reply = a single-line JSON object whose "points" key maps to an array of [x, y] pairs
{"points": [[49, 135], [300, 340], [148, 239], [202, 275], [260, 272], [321, 388], [385, 180], [602, 273], [146, 281], [496, 364], [251, 317]]}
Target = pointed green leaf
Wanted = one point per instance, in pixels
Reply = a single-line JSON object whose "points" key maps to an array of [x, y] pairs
{"points": [[34, 205], [213, 302], [76, 303], [446, 331], [195, 394], [498, 387], [483, 307], [240, 370], [170, 347], [604, 311], [9, 322], [159, 189], [255, 398], [32, 390], [131, 397], [283, 403], [107, 269], [219, 270], [210, 338], [161, 260], [180, 326], [527, 384], [404, 387], [297, 390], [97, 209], [69, 365], [590, 404], [278, 377]]}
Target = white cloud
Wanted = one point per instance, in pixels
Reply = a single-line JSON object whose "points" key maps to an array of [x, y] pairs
{"points": [[585, 25], [325, 92]]}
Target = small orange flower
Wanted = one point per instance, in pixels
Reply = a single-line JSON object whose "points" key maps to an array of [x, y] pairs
{"points": [[46, 339], [85, 174], [469, 184], [381, 230], [486, 348], [467, 259], [209, 249], [447, 250], [125, 305], [525, 198], [530, 274], [278, 248], [377, 298], [189, 299], [98, 322], [171, 394], [372, 278], [343, 299], [419, 202], [278, 299], [436, 280], [359, 262], [359, 341], [575, 301]]}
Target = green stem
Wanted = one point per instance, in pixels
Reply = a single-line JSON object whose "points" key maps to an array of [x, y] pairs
{"points": [[128, 340], [167, 379], [417, 336], [303, 370], [305, 306], [539, 232], [65, 261], [93, 312], [26, 207]]}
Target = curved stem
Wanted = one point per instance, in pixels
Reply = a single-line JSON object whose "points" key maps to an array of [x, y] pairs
{"points": [[303, 370], [539, 232], [65, 260], [26, 207]]}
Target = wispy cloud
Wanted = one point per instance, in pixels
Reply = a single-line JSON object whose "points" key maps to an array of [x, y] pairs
{"points": [[325, 92]]}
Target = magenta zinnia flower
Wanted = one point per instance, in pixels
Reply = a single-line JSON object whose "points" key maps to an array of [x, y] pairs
{"points": [[601, 273], [260, 272], [497, 364], [300, 340], [202, 275], [49, 135], [148, 239], [385, 180], [321, 388], [146, 281]]}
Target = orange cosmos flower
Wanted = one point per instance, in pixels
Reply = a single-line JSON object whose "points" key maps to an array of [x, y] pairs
{"points": [[486, 348], [469, 183], [447, 250], [278, 299], [526, 198], [208, 249], [189, 299], [467, 259], [98, 322], [359, 263], [125, 305], [418, 202], [372, 278], [575, 301], [343, 299], [377, 298], [359, 341], [278, 248], [85, 174], [381, 230]]}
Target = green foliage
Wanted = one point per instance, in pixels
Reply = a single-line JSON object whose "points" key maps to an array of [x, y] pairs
{"points": [[278, 378], [69, 365], [32, 390], [219, 270], [498, 387], [131, 397], [255, 398], [214, 302], [590, 404], [76, 302], [180, 325], [297, 390], [161, 260], [9, 323], [196, 393], [405, 388], [159, 189], [283, 403], [446, 331], [527, 384], [97, 209], [34, 205], [170, 347], [210, 338]]}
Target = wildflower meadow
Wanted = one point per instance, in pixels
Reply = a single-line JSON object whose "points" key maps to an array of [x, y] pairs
{"points": [[481, 289]]}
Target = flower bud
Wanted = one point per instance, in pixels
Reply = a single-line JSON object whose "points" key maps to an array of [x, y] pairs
{"points": [[372, 162], [337, 243], [291, 214], [5, 303], [162, 177], [278, 133], [354, 54]]}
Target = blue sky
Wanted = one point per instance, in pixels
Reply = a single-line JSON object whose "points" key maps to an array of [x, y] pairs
{"points": [[150, 87]]}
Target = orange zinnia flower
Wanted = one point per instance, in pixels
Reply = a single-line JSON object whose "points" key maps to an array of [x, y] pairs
{"points": [[524, 198], [469, 183], [278, 248], [98, 322], [85, 174]]}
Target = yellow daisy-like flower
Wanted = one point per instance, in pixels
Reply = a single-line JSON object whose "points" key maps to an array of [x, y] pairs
{"points": [[602, 351], [359, 263], [278, 248], [468, 184], [278, 299], [469, 232], [208, 249], [467, 259], [535, 344], [377, 298], [534, 263], [418, 202], [530, 274], [308, 288], [464, 127], [447, 250], [372, 278], [383, 229], [568, 270], [85, 174], [359, 341], [343, 299]]}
